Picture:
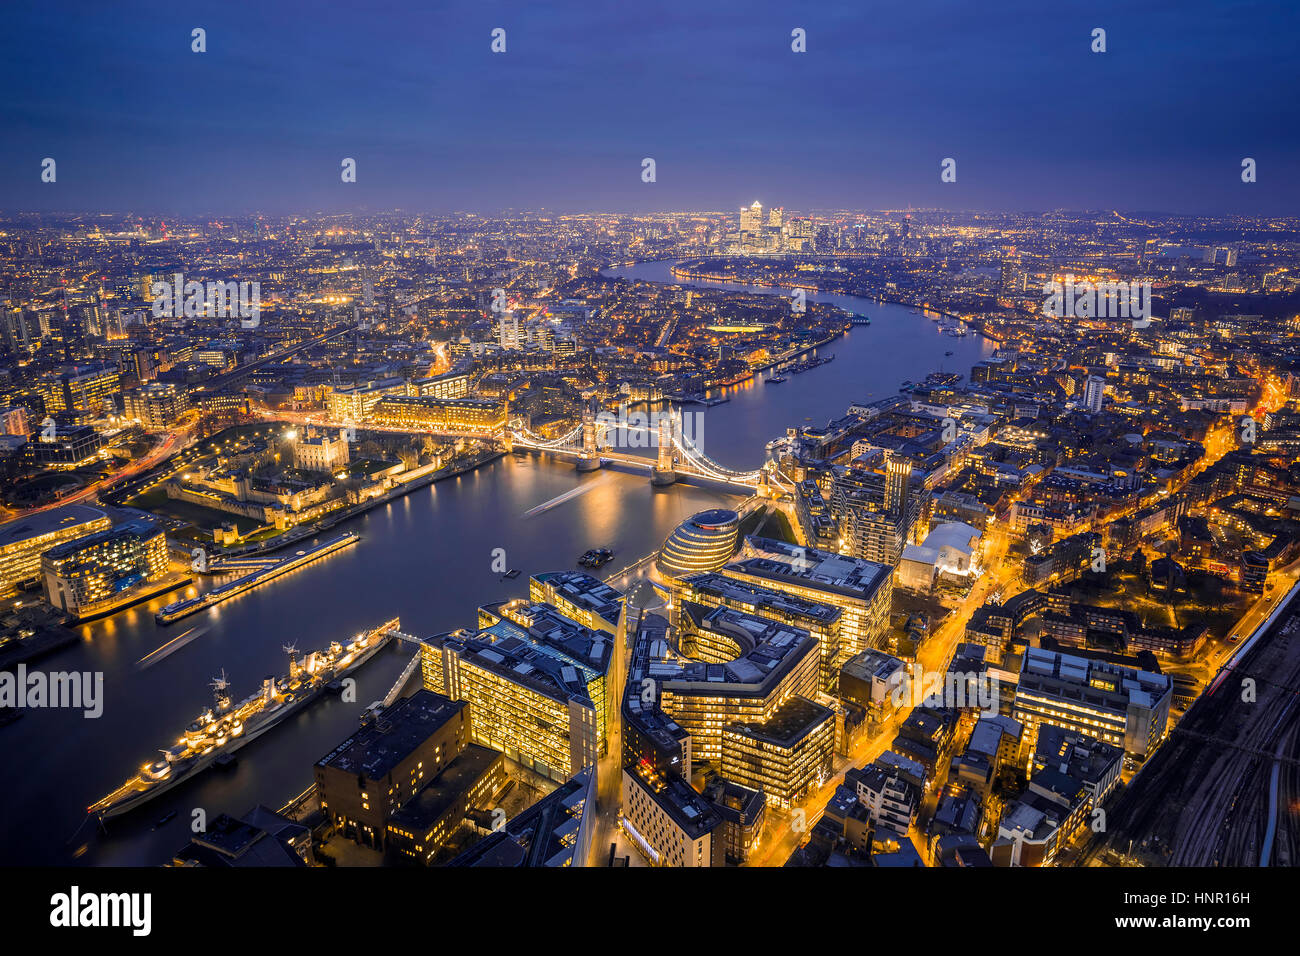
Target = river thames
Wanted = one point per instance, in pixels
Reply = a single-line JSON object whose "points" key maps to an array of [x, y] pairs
{"points": [[426, 558]]}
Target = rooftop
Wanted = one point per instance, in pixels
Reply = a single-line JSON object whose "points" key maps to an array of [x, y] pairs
{"points": [[585, 591], [374, 750], [792, 722], [781, 561], [421, 813], [45, 522]]}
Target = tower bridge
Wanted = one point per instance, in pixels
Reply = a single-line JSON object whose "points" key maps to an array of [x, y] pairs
{"points": [[677, 458]]}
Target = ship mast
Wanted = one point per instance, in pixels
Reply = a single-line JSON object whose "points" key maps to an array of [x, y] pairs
{"points": [[292, 651], [220, 692]]}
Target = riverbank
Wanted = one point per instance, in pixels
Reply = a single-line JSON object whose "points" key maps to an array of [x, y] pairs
{"points": [[172, 583], [49, 633], [346, 514], [709, 399], [679, 273], [870, 362]]}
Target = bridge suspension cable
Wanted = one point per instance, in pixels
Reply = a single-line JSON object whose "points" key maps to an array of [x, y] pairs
{"points": [[572, 441], [707, 465], [524, 436]]}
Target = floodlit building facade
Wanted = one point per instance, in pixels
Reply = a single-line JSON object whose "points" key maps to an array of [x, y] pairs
{"points": [[1118, 705], [22, 542], [88, 574], [748, 668], [536, 682], [786, 756], [428, 412], [321, 452], [861, 589]]}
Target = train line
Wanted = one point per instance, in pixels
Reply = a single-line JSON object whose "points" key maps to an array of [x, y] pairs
{"points": [[1224, 789]]}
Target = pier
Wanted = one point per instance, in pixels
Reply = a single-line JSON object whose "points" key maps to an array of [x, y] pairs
{"points": [[180, 609]]}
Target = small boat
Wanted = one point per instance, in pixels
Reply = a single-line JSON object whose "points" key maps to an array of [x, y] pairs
{"points": [[511, 574], [776, 380], [165, 818], [596, 557], [947, 353]]}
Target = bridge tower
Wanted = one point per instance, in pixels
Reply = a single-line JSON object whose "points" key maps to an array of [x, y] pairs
{"points": [[663, 472], [589, 460]]}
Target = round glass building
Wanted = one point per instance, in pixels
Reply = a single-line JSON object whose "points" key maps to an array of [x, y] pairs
{"points": [[703, 542]]}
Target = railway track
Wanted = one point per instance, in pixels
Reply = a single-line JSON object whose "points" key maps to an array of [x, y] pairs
{"points": [[1207, 797]]}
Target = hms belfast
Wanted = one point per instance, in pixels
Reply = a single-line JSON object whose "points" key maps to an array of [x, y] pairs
{"points": [[223, 728]]}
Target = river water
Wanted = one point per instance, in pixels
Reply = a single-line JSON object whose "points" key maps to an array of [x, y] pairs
{"points": [[871, 362], [426, 558]]}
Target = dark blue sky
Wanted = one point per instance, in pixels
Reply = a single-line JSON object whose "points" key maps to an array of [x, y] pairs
{"points": [[710, 90]]}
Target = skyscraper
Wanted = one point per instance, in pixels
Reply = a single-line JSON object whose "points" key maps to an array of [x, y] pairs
{"points": [[898, 479], [508, 330], [1094, 391]]}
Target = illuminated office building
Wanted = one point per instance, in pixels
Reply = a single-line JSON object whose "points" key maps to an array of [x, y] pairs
{"points": [[83, 388], [861, 589], [383, 766], [669, 821], [420, 828], [651, 737], [748, 668], [66, 446], [355, 404], [156, 404], [703, 542], [427, 412], [87, 574], [536, 682], [1121, 706], [508, 330], [786, 756], [877, 510], [13, 421], [580, 597], [751, 221], [819, 619], [22, 542]]}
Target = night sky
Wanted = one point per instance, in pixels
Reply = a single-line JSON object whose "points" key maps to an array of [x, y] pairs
{"points": [[710, 90]]}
